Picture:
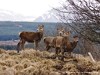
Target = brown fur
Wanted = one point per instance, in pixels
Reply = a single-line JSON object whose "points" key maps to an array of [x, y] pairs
{"points": [[62, 45], [30, 37], [49, 40], [71, 45], [60, 42]]}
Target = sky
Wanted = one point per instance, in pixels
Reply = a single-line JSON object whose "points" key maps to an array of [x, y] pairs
{"points": [[29, 7]]}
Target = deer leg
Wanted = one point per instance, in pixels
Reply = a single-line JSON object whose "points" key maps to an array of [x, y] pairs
{"points": [[22, 44], [62, 54], [70, 54], [57, 51], [18, 46], [36, 45], [47, 48]]}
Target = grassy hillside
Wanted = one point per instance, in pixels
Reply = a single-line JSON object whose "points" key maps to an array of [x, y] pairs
{"points": [[32, 62]]}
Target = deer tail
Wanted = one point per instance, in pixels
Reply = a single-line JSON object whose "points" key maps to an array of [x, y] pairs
{"points": [[19, 33]]}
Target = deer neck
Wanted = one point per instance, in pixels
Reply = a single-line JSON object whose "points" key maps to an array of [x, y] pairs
{"points": [[41, 34], [74, 43]]}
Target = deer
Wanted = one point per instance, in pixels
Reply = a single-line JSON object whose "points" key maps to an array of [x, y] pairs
{"points": [[63, 45], [49, 40], [70, 46], [31, 37], [60, 42]]}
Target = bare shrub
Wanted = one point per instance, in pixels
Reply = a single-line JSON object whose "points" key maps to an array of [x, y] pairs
{"points": [[83, 17]]}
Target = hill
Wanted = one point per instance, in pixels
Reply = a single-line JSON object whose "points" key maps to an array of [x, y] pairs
{"points": [[32, 62], [49, 16]]}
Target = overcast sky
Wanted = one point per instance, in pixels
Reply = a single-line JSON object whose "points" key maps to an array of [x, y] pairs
{"points": [[29, 7]]}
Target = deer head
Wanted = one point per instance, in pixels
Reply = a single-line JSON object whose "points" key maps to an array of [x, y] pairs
{"points": [[40, 28], [75, 38], [66, 34], [60, 31]]}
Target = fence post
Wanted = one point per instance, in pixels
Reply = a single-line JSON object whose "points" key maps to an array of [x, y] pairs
{"points": [[91, 57]]}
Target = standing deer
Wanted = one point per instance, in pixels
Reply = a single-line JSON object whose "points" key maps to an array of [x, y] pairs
{"points": [[71, 45], [31, 37], [60, 42], [62, 45], [49, 40]]}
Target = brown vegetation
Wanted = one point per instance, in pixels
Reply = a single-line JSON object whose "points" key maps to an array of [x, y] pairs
{"points": [[32, 62]]}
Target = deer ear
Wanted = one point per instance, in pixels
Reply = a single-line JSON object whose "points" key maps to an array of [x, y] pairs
{"points": [[68, 32], [63, 28], [39, 25], [42, 25], [76, 38], [57, 29]]}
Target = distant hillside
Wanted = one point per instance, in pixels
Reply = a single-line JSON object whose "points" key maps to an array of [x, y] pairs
{"points": [[6, 15], [49, 16], [32, 62]]}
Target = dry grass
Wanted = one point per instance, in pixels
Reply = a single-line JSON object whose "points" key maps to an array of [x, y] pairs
{"points": [[32, 62]]}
